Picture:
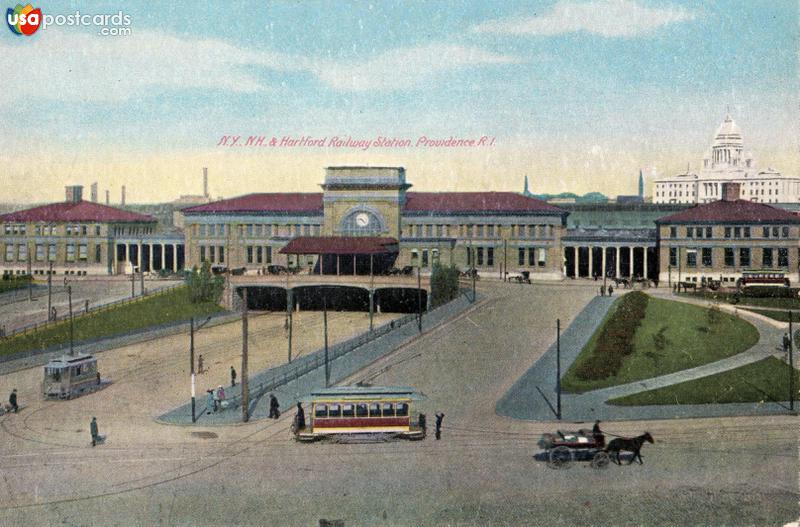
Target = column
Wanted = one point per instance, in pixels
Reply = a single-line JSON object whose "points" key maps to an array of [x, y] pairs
{"points": [[591, 262], [114, 256], [616, 260], [150, 257], [174, 257], [338, 257], [163, 256], [577, 256], [630, 263], [139, 256], [604, 260], [645, 262]]}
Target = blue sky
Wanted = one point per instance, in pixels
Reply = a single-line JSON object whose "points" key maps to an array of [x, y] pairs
{"points": [[580, 94]]}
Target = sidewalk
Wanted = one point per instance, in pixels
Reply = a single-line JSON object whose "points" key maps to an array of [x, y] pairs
{"points": [[524, 401]]}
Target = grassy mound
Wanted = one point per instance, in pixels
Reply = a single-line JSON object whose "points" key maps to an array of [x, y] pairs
{"points": [[671, 336]]}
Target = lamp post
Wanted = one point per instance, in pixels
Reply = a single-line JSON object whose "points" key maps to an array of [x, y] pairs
{"points": [[791, 365], [558, 369], [192, 330], [71, 325]]}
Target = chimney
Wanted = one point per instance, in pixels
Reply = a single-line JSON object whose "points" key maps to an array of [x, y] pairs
{"points": [[205, 182], [108, 198], [74, 193], [94, 192], [731, 191], [123, 196]]}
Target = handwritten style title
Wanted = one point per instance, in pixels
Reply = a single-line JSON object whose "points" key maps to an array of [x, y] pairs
{"points": [[349, 142]]}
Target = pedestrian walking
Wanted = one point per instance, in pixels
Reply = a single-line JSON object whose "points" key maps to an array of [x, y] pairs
{"points": [[200, 364], [94, 431], [233, 377], [300, 418], [439, 418], [220, 397], [12, 400], [610, 290], [602, 290], [274, 407], [211, 402]]}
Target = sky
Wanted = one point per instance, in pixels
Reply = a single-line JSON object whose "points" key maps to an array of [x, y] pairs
{"points": [[578, 95]]}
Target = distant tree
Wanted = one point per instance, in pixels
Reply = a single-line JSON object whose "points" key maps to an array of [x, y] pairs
{"points": [[204, 286], [444, 284]]}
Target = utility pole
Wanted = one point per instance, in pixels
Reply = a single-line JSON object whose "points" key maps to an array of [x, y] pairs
{"points": [[505, 259], [558, 369], [371, 291], [791, 365], [325, 330], [71, 328], [191, 366], [243, 373], [133, 282], [30, 276], [419, 300], [50, 292], [474, 272], [289, 310]]}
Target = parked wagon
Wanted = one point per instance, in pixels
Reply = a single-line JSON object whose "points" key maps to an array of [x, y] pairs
{"points": [[524, 277], [70, 376], [564, 448]]}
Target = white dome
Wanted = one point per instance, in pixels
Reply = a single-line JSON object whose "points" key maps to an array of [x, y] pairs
{"points": [[728, 133]]}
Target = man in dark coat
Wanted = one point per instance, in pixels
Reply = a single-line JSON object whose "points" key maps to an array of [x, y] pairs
{"points": [[274, 411], [12, 400], [301, 417], [439, 418], [233, 377], [93, 429]]}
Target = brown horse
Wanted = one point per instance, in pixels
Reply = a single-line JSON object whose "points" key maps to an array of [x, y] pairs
{"points": [[634, 445]]}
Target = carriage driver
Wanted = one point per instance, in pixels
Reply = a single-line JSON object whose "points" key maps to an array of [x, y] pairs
{"points": [[597, 434]]}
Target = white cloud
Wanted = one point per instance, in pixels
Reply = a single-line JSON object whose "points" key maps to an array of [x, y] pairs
{"points": [[609, 18], [69, 66], [406, 67]]}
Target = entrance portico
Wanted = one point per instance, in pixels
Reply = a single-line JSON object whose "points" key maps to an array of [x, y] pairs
{"points": [[618, 253]]}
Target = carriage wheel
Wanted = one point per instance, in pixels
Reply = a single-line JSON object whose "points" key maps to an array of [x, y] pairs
{"points": [[560, 457], [601, 460]]}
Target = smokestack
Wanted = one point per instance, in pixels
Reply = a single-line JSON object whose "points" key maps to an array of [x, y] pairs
{"points": [[108, 197], [123, 196], [205, 182], [94, 192], [74, 193]]}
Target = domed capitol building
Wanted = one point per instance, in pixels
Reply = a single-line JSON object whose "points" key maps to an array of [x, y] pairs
{"points": [[727, 162]]}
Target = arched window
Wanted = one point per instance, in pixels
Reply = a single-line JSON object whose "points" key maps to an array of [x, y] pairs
{"points": [[362, 223]]}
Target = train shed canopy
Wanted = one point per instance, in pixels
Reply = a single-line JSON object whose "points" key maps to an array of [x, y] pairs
{"points": [[340, 245]]}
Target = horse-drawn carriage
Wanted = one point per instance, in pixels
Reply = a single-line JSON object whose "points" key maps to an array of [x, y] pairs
{"points": [[564, 448], [523, 277]]}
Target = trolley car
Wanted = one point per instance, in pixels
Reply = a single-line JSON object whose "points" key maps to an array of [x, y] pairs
{"points": [[361, 411], [768, 278], [70, 376]]}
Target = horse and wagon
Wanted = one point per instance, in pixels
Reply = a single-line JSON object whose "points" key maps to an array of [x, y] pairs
{"points": [[562, 449]]}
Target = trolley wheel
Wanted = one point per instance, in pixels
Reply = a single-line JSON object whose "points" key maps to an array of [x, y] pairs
{"points": [[560, 457], [601, 460]]}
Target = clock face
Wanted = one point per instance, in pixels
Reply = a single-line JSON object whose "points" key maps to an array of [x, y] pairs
{"points": [[362, 219]]}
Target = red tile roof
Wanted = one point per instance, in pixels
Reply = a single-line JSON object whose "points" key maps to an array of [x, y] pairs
{"points": [[736, 211], [273, 202], [68, 211], [339, 245], [501, 202]]}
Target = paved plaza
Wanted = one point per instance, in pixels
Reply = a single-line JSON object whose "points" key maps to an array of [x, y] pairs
{"points": [[484, 471]]}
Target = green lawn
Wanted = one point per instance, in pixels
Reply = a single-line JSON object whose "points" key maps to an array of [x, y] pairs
{"points": [[782, 302], [763, 381], [155, 310], [10, 285], [690, 340]]}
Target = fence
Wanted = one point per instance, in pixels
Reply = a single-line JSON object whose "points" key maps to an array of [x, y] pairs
{"points": [[97, 308]]}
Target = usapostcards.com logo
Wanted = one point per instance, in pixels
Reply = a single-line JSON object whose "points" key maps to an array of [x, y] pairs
{"points": [[26, 21]]}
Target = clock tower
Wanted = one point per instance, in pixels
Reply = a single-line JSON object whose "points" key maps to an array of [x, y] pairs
{"points": [[363, 201]]}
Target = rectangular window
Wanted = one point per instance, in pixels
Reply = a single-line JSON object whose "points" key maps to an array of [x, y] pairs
{"points": [[480, 255], [83, 252], [268, 231], [737, 232], [402, 409], [39, 252], [785, 232], [388, 410], [320, 410], [480, 231], [727, 232], [673, 232], [673, 256], [766, 257], [698, 232], [439, 231], [212, 230], [98, 253], [348, 410], [746, 232], [774, 232], [97, 230], [783, 257], [70, 252], [203, 229], [221, 254], [269, 255], [249, 229], [531, 231], [306, 230], [691, 258], [212, 254], [335, 410], [521, 256], [221, 229], [84, 230], [765, 232], [375, 409], [707, 261], [429, 231], [708, 232], [425, 258], [414, 257], [249, 254], [490, 256], [490, 231], [542, 260], [689, 232], [9, 252], [22, 253], [729, 257], [531, 256], [259, 255], [744, 257], [51, 252]]}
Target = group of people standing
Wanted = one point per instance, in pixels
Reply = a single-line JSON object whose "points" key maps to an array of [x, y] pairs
{"points": [[603, 290]]}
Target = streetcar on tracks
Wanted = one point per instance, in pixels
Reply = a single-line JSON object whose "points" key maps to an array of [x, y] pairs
{"points": [[70, 376], [762, 278], [361, 413]]}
